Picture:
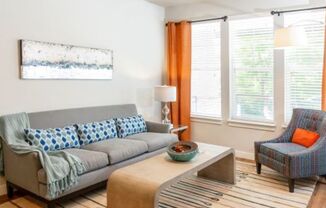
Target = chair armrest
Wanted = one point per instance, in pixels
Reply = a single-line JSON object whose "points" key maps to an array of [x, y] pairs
{"points": [[157, 127], [284, 138], [309, 162], [258, 143], [22, 169]]}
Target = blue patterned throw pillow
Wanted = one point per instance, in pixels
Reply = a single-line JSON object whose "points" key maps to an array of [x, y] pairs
{"points": [[96, 131], [130, 125], [53, 139]]}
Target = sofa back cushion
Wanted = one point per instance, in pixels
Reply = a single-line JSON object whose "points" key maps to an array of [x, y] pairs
{"points": [[130, 125], [96, 131], [61, 118], [53, 139]]}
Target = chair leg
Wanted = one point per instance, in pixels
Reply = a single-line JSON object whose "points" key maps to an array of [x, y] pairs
{"points": [[51, 205], [258, 167], [291, 185], [10, 191]]}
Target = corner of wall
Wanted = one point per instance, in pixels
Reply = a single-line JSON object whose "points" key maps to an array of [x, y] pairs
{"points": [[244, 155]]}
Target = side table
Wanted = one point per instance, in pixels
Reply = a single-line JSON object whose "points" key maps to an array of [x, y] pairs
{"points": [[179, 129]]}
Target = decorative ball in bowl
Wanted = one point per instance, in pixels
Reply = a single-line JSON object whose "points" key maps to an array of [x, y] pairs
{"points": [[182, 151]]}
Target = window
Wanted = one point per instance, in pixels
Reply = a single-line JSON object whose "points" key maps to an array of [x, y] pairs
{"points": [[303, 65], [206, 70], [251, 69]]}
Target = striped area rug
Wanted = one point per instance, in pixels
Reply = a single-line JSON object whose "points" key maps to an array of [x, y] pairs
{"points": [[268, 190]]}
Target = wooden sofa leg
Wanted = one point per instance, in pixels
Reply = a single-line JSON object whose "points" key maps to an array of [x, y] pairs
{"points": [[10, 190], [291, 185], [258, 168]]}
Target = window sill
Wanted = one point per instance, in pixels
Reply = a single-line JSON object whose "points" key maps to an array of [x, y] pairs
{"points": [[206, 119], [252, 125], [284, 126]]}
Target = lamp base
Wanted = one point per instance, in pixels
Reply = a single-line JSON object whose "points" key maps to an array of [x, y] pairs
{"points": [[165, 112], [170, 124]]}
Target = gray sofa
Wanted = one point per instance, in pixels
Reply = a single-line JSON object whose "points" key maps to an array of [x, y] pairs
{"points": [[100, 159]]}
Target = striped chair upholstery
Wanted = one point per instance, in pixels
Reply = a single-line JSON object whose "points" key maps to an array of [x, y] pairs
{"points": [[292, 160]]}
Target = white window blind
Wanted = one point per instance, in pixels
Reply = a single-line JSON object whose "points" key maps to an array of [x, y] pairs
{"points": [[303, 65], [251, 69], [206, 70]]}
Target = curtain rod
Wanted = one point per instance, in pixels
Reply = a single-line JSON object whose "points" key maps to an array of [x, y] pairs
{"points": [[205, 20], [295, 10]]}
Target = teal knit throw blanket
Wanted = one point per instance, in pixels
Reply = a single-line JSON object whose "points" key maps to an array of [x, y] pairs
{"points": [[62, 169]]}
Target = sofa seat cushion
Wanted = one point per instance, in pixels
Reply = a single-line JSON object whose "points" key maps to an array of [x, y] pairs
{"points": [[118, 150], [277, 151], [154, 141], [92, 161]]}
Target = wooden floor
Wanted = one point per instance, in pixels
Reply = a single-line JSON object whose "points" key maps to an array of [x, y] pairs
{"points": [[318, 199]]}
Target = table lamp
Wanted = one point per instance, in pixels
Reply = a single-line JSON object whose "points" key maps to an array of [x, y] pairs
{"points": [[290, 37], [165, 94]]}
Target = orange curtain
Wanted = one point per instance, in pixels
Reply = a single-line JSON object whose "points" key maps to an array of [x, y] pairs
{"points": [[179, 72], [323, 95]]}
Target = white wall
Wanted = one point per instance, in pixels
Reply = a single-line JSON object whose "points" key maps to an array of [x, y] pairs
{"points": [[133, 29], [225, 133]]}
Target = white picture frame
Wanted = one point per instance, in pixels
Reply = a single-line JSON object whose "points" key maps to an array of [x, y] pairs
{"points": [[44, 60]]}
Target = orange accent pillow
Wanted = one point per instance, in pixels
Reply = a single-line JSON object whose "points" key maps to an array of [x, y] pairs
{"points": [[304, 137]]}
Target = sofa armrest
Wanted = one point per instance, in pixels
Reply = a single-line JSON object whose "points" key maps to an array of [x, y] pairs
{"points": [[157, 127], [22, 169], [309, 162]]}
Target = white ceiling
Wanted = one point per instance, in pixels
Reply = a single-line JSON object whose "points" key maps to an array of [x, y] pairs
{"points": [[169, 3], [240, 4], [177, 10]]}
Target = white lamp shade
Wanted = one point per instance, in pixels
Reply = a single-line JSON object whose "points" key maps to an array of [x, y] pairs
{"points": [[165, 93], [290, 37]]}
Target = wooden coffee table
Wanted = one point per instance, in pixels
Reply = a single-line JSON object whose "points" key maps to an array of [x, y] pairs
{"points": [[139, 185]]}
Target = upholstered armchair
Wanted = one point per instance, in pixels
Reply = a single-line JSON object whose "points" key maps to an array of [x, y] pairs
{"points": [[292, 160]]}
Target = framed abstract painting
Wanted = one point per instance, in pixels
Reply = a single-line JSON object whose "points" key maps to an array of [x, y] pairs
{"points": [[42, 60]]}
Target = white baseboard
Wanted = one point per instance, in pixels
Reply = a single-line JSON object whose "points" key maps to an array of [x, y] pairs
{"points": [[244, 155]]}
